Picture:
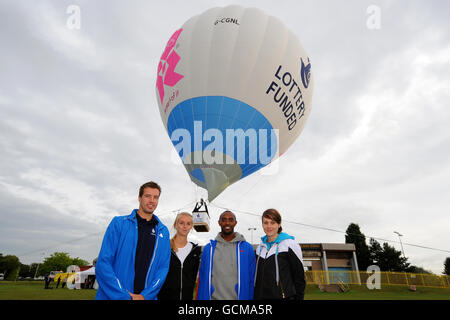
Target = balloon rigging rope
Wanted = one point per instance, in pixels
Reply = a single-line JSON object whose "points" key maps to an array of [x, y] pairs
{"points": [[330, 229], [171, 212], [71, 241]]}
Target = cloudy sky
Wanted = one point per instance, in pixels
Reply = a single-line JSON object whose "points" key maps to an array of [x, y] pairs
{"points": [[80, 129]]}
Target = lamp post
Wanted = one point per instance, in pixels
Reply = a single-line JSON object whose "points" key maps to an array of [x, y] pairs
{"points": [[251, 232], [37, 268], [401, 244]]}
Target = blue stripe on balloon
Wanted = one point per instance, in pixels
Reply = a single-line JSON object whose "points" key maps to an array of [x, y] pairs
{"points": [[220, 112], [198, 174]]}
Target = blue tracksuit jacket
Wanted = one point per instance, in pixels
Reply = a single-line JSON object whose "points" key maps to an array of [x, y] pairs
{"points": [[115, 264], [246, 271]]}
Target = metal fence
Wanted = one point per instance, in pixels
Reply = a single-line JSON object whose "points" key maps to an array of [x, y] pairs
{"points": [[386, 278]]}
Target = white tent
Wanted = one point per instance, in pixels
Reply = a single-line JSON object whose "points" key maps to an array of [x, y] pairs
{"points": [[80, 277]]}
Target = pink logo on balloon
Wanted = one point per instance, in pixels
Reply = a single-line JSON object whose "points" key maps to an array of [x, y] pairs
{"points": [[166, 67]]}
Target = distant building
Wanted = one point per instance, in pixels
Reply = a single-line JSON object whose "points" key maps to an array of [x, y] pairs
{"points": [[338, 258], [329, 256]]}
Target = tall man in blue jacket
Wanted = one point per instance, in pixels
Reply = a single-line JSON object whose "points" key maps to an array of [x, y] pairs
{"points": [[134, 258], [227, 267]]}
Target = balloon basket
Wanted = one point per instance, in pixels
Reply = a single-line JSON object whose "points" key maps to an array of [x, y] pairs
{"points": [[201, 217], [201, 226]]}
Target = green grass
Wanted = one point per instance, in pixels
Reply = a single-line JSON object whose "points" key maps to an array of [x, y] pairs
{"points": [[357, 292], [34, 290]]}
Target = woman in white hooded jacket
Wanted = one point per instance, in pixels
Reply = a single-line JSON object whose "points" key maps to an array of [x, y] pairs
{"points": [[279, 266]]}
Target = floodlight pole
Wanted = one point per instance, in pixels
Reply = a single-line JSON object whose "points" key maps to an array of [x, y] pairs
{"points": [[251, 232], [37, 268], [401, 244]]}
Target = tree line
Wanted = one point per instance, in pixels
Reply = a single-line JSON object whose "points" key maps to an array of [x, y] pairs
{"points": [[12, 268], [384, 256]]}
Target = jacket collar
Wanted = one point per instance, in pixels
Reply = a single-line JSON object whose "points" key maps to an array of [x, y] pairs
{"points": [[132, 217], [281, 237]]}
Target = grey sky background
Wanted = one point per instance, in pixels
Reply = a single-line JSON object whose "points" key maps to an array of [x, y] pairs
{"points": [[80, 129]]}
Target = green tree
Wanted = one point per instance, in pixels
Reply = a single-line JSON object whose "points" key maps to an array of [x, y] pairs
{"points": [[79, 262], [9, 265], [24, 271], [393, 259], [59, 261], [416, 269], [447, 266], [387, 257], [2, 264], [355, 236], [375, 251]]}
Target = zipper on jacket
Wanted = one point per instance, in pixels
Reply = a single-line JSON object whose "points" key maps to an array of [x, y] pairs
{"points": [[282, 291], [210, 268], [153, 258], [277, 275], [118, 282], [181, 272], [181, 281], [136, 238], [239, 268], [262, 272], [256, 271]]}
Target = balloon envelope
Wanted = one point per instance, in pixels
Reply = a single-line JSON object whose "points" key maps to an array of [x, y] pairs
{"points": [[234, 89]]}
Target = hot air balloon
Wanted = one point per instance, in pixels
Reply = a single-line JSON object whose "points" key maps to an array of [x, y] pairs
{"points": [[234, 89]]}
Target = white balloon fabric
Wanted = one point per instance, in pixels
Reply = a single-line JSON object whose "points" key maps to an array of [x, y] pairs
{"points": [[234, 89]]}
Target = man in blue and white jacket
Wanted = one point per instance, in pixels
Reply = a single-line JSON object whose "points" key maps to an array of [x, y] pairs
{"points": [[227, 266], [134, 258]]}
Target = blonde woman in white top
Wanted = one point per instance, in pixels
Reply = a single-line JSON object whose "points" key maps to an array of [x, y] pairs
{"points": [[184, 262]]}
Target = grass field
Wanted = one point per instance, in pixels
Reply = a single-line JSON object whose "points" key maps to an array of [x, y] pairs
{"points": [[34, 290], [357, 292]]}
